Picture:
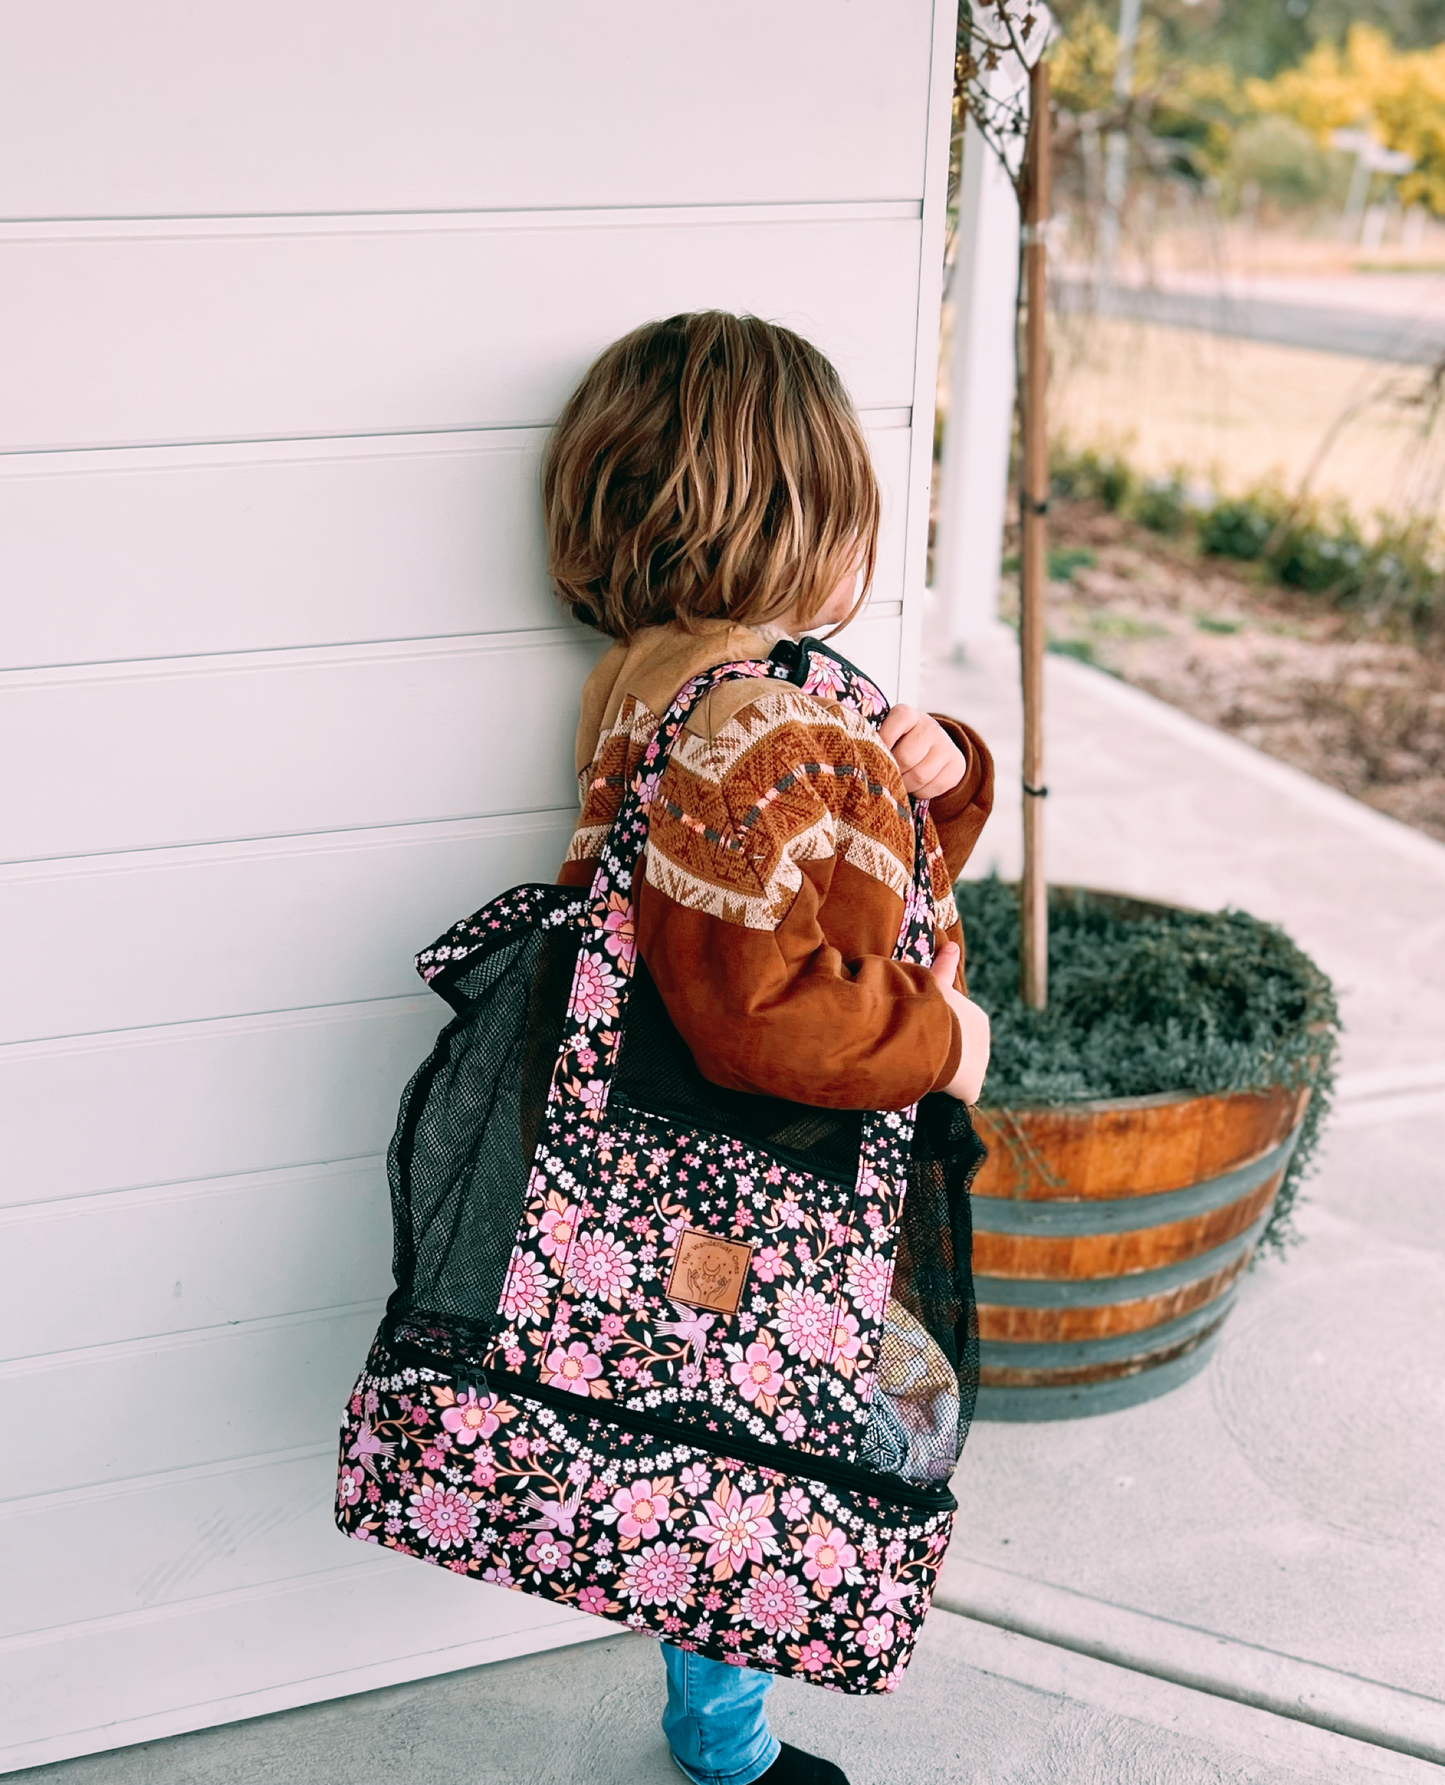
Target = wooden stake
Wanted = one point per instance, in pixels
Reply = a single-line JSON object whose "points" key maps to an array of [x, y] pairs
{"points": [[1033, 552]]}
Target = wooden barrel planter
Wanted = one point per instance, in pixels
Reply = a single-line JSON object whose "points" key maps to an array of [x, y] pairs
{"points": [[1109, 1239]]}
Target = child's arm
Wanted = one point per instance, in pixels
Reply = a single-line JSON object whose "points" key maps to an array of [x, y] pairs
{"points": [[774, 959], [973, 1026], [948, 764], [786, 1012]]}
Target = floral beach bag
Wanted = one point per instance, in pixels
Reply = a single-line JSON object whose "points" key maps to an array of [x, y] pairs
{"points": [[697, 1361]]}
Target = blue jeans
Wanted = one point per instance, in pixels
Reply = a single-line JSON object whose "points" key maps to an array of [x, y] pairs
{"points": [[714, 1721]]}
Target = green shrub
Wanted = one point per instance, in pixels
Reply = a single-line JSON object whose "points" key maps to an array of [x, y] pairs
{"points": [[1405, 578], [1320, 558], [1397, 577], [1091, 475], [1080, 649], [1064, 563], [1148, 1002], [1162, 505], [1238, 529]]}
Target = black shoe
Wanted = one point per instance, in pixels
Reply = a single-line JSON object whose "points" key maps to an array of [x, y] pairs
{"points": [[794, 1767]]}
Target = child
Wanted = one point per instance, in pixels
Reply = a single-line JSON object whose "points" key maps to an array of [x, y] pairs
{"points": [[707, 491]]}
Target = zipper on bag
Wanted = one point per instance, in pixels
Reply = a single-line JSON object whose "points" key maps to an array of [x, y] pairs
{"points": [[785, 1461]]}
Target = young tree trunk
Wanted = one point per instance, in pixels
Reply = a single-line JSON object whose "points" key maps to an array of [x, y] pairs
{"points": [[1034, 492]]}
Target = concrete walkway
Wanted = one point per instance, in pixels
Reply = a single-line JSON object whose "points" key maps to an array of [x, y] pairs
{"points": [[1242, 1581], [979, 1707], [1275, 1529]]}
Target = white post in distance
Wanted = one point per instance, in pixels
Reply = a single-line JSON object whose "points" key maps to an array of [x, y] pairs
{"points": [[973, 489]]}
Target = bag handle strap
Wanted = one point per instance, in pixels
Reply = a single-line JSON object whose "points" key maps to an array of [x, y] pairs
{"points": [[591, 1039], [602, 980]]}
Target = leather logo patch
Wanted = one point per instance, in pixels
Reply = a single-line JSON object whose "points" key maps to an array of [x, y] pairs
{"points": [[708, 1272]]}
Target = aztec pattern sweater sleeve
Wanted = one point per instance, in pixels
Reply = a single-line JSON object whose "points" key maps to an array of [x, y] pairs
{"points": [[779, 856]]}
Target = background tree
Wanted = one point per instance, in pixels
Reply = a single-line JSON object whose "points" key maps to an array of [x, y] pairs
{"points": [[1400, 93]]}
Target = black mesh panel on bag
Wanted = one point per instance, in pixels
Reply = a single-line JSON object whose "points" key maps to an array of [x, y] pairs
{"points": [[657, 1073], [462, 1152], [926, 1379]]}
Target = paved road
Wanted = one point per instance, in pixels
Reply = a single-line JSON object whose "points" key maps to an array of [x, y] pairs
{"points": [[1392, 334]]}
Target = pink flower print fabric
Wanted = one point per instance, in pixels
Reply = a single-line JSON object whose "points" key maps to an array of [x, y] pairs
{"points": [[757, 1373], [585, 1304], [869, 1280], [775, 1603], [600, 1268], [829, 680], [827, 1553], [662, 1575], [615, 924], [611, 1487], [589, 1280], [471, 1416], [641, 1508], [442, 1516], [736, 1530], [527, 1290], [722, 1557], [574, 1368]]}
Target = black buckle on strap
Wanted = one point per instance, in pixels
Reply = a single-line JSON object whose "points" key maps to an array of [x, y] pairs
{"points": [[794, 658], [793, 654]]}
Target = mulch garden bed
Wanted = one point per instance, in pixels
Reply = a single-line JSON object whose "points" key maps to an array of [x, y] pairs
{"points": [[1297, 678]]}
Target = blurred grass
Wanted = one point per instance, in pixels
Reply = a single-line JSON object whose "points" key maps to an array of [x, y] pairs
{"points": [[1236, 412]]}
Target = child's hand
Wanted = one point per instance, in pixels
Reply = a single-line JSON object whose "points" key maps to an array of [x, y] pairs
{"points": [[931, 762], [967, 1082]]}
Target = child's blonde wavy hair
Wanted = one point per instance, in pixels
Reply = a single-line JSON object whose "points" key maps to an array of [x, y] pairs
{"points": [[707, 467]]}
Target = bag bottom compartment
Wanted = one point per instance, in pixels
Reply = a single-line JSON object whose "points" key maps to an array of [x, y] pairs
{"points": [[792, 1570]]}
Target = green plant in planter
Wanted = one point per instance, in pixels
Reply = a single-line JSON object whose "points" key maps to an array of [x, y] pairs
{"points": [[1160, 1001]]}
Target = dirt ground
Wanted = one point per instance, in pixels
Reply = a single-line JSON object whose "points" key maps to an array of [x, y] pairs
{"points": [[1283, 671]]}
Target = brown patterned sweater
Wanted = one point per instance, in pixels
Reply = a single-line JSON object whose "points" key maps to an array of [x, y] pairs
{"points": [[774, 960]]}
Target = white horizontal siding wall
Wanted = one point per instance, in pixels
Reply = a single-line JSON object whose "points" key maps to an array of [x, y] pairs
{"points": [[289, 297]]}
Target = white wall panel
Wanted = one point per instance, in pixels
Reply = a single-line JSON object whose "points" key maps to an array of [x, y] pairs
{"points": [[184, 933], [114, 554], [164, 108], [198, 1100], [158, 1404], [217, 1529], [189, 932], [141, 1264], [289, 297], [264, 327], [271, 743], [285, 742], [178, 935], [872, 643], [182, 551], [131, 1679]]}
